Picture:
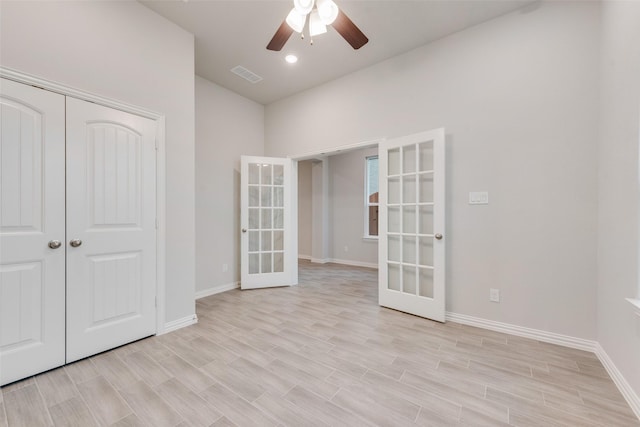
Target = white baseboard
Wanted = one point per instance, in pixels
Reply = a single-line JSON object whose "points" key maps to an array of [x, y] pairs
{"points": [[629, 394], [521, 331], [564, 340], [180, 323], [339, 261], [217, 289], [354, 263]]}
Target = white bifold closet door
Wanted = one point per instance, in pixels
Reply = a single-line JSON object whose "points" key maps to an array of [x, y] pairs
{"points": [[32, 216], [78, 249], [111, 228]]}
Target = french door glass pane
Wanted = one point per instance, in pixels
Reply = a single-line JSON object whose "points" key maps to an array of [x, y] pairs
{"points": [[409, 219], [254, 173], [425, 188], [409, 159], [254, 263], [393, 162], [254, 219], [409, 249], [266, 175], [409, 189], [254, 196], [393, 248], [278, 219], [266, 196], [266, 263], [254, 241], [265, 243], [425, 156], [278, 196], [266, 218], [394, 220], [394, 191], [409, 280], [278, 240], [393, 281], [425, 220], [278, 174], [425, 251], [425, 282], [278, 262]]}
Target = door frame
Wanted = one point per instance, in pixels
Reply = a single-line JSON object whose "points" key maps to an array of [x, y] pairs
{"points": [[159, 118]]}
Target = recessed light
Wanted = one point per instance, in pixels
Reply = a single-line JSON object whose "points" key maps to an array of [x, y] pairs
{"points": [[291, 59]]}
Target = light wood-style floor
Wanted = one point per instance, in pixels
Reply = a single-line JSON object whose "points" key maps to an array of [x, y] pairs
{"points": [[322, 353]]}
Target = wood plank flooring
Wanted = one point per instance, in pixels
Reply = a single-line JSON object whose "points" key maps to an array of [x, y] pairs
{"points": [[322, 353]]}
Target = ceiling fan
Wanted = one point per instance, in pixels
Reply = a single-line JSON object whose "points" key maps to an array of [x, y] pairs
{"points": [[325, 13]]}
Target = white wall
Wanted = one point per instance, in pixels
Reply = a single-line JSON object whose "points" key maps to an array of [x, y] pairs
{"points": [[124, 51], [346, 214], [518, 97], [618, 327], [227, 126], [304, 208]]}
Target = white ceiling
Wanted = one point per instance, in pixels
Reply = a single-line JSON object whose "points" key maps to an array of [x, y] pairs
{"points": [[231, 33]]}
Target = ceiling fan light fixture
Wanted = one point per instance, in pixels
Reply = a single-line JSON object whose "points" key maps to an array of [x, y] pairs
{"points": [[328, 11], [303, 6], [316, 26], [296, 21]]}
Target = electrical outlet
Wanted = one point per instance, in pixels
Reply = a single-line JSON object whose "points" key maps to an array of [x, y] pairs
{"points": [[494, 295], [225, 268]]}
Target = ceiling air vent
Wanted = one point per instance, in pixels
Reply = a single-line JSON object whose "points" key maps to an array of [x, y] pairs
{"points": [[246, 74]]}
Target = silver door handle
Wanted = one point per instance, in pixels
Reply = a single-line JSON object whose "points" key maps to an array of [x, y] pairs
{"points": [[75, 243], [55, 244], [438, 236], [244, 230]]}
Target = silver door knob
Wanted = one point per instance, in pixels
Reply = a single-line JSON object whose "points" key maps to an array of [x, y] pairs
{"points": [[55, 244], [438, 236], [75, 243]]}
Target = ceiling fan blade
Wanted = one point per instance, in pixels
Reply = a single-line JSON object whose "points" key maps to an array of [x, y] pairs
{"points": [[349, 31], [280, 37]]}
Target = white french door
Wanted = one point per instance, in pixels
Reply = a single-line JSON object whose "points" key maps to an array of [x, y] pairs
{"points": [[411, 235], [268, 249], [111, 228], [32, 215]]}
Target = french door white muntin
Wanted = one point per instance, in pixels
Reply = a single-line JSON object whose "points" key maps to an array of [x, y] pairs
{"points": [[32, 218], [111, 228], [268, 250], [412, 222]]}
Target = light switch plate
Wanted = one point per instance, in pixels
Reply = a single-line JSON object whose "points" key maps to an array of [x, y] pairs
{"points": [[479, 198]]}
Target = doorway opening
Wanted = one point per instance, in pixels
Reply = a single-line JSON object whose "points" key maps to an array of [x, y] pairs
{"points": [[334, 206]]}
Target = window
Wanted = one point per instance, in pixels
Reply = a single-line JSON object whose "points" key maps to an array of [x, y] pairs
{"points": [[371, 197]]}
